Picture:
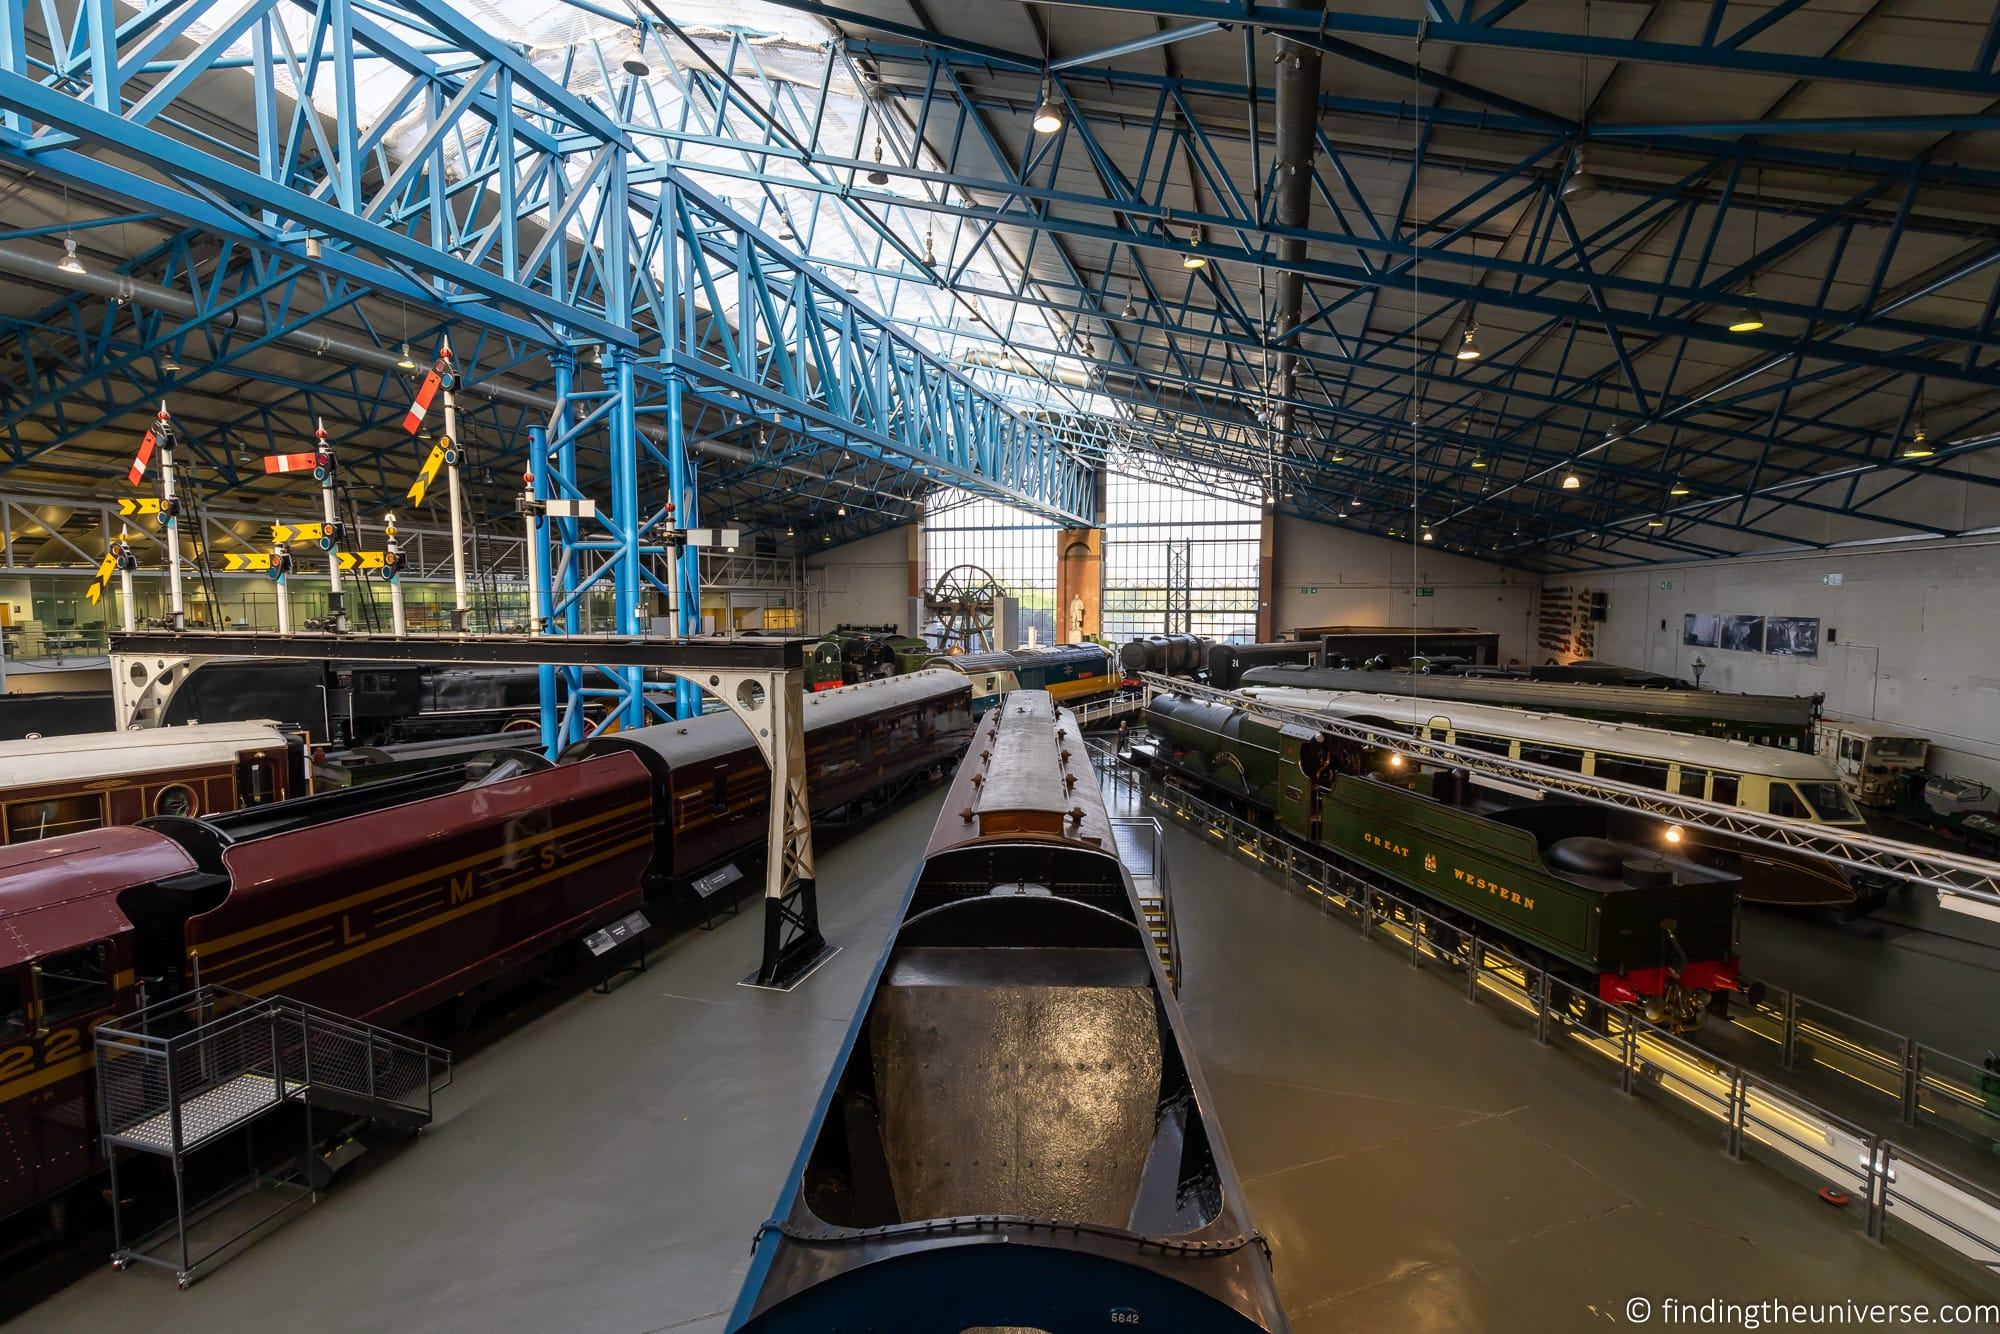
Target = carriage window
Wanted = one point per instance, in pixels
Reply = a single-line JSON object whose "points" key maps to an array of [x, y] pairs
{"points": [[1623, 769], [73, 984], [1693, 782], [1786, 802], [1725, 789], [49, 817], [176, 799], [13, 1007], [1555, 757], [1850, 749]]}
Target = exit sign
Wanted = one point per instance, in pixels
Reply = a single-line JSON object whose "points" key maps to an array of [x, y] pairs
{"points": [[1426, 592]]}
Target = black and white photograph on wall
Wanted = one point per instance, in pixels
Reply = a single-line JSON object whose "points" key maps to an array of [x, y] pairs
{"points": [[1792, 636], [1698, 629], [1742, 634]]}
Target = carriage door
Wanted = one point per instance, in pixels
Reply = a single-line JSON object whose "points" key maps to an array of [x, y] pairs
{"points": [[1300, 757], [259, 780]]}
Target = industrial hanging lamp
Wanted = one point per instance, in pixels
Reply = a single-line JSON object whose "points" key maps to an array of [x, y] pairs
{"points": [[1571, 482], [1680, 488], [635, 59], [169, 363], [1194, 259], [404, 361], [1468, 350], [69, 263], [1580, 184], [1048, 116], [1920, 441], [1657, 521], [1749, 319], [878, 176]]}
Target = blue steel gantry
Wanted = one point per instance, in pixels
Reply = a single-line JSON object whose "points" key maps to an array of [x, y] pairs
{"points": [[788, 265]]}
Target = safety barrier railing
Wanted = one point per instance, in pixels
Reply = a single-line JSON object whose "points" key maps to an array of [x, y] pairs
{"points": [[1153, 838], [185, 1073], [1905, 1196]]}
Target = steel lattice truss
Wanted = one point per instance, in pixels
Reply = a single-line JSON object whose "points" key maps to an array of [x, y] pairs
{"points": [[1854, 849], [992, 308]]}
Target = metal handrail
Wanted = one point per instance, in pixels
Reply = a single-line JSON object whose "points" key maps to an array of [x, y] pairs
{"points": [[1857, 850]]}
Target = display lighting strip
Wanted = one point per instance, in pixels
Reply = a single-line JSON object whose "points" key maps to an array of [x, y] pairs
{"points": [[1947, 872]]}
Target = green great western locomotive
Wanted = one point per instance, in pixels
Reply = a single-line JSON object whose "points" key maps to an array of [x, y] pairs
{"points": [[1594, 893]]}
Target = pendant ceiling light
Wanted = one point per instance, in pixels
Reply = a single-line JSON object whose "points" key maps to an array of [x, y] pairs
{"points": [[1194, 259], [404, 361], [1468, 350], [1749, 319], [1571, 482], [635, 59], [1048, 116], [69, 263], [878, 176], [1680, 488]]}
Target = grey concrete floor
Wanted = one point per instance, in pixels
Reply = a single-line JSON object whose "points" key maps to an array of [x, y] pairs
{"points": [[1417, 1164]]}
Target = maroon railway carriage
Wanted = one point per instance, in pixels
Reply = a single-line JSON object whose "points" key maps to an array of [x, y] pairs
{"points": [[384, 901], [861, 740]]}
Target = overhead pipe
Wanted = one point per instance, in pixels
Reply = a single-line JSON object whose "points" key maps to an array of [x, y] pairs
{"points": [[1297, 125], [39, 268]]}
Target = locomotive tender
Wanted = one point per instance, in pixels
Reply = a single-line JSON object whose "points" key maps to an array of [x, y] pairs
{"points": [[1015, 1135], [1595, 893], [383, 901]]}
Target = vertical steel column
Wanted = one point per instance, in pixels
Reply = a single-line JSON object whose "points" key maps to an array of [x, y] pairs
{"points": [[685, 576], [541, 612], [564, 579], [793, 944], [619, 380]]}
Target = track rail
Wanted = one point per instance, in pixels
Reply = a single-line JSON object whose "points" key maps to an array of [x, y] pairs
{"points": [[1951, 874]]}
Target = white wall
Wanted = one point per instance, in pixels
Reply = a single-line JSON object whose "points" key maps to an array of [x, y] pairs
{"points": [[1913, 626], [860, 583], [1361, 580]]}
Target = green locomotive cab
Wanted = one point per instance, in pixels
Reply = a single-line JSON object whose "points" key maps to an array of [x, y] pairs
{"points": [[1608, 898]]}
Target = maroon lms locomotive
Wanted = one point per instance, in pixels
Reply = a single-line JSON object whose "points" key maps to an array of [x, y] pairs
{"points": [[381, 902]]}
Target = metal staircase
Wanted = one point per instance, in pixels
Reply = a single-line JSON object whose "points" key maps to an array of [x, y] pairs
{"points": [[191, 1072], [1140, 848]]}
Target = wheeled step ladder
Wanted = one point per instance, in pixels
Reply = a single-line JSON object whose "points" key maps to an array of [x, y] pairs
{"points": [[185, 1074]]}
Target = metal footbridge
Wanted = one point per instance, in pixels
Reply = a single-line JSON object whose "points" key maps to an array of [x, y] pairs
{"points": [[206, 1068]]}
